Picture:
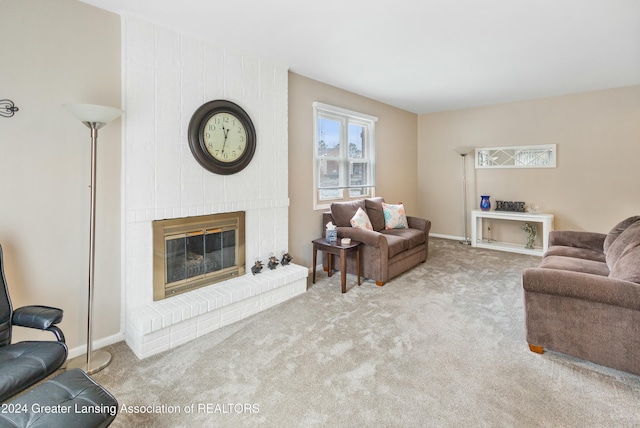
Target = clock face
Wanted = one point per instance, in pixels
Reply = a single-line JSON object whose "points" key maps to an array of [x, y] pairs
{"points": [[224, 137]]}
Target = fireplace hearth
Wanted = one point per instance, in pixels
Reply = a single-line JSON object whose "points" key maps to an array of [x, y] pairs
{"points": [[196, 251]]}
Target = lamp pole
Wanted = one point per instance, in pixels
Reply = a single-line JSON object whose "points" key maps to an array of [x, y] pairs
{"points": [[463, 152], [94, 117]]}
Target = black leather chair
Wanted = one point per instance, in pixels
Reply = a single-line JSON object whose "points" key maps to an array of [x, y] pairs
{"points": [[25, 363], [71, 399]]}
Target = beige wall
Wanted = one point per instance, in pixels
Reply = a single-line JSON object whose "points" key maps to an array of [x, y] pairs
{"points": [[596, 182], [52, 53], [396, 164]]}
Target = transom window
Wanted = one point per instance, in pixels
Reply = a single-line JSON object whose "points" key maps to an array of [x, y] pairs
{"points": [[344, 154]]}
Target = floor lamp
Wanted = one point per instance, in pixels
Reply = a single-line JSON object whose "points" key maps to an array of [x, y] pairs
{"points": [[94, 117], [463, 152]]}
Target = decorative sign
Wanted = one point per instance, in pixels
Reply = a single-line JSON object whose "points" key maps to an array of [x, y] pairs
{"points": [[543, 156], [509, 206]]}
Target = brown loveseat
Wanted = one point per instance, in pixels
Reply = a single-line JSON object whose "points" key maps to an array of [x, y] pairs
{"points": [[584, 298], [384, 253]]}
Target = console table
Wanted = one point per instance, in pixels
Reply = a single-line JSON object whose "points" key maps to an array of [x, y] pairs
{"points": [[476, 230]]}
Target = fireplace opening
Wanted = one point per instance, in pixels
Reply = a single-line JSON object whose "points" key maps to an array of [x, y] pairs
{"points": [[197, 251]]}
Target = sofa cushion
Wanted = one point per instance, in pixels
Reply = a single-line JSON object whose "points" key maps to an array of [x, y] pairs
{"points": [[374, 211], [342, 212], [617, 230], [627, 268], [414, 237], [394, 216], [396, 244], [575, 265], [629, 237], [579, 253], [361, 220]]}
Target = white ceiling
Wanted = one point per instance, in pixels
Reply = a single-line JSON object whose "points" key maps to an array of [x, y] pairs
{"points": [[423, 55]]}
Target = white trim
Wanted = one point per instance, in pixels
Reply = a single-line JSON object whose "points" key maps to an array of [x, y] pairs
{"points": [[346, 116], [343, 111], [97, 344], [452, 237]]}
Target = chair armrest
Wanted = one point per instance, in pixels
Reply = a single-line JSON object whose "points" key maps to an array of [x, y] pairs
{"points": [[584, 286], [570, 238], [367, 237], [419, 223], [40, 317]]}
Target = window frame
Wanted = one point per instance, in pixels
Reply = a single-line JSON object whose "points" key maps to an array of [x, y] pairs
{"points": [[346, 164]]}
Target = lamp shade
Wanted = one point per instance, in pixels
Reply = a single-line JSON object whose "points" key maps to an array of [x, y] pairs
{"points": [[93, 113], [463, 151]]}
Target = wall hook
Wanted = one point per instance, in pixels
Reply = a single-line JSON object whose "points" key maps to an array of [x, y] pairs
{"points": [[7, 108]]}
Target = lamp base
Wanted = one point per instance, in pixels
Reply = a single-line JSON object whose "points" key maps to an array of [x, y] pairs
{"points": [[99, 360]]}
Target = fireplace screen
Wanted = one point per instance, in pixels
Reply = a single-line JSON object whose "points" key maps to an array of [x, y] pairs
{"points": [[197, 251]]}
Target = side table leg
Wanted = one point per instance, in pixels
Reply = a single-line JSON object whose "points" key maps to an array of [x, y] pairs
{"points": [[358, 263], [315, 256], [343, 270]]}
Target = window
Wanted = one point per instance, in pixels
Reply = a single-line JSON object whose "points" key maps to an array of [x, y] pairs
{"points": [[344, 154]]}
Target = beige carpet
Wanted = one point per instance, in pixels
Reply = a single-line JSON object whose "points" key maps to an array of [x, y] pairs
{"points": [[442, 345]]}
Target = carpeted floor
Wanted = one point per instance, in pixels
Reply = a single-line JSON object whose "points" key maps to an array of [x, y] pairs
{"points": [[442, 345]]}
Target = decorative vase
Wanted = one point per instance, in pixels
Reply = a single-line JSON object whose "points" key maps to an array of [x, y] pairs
{"points": [[485, 203]]}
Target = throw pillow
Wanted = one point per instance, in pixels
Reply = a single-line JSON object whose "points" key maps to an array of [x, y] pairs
{"points": [[394, 216], [361, 220]]}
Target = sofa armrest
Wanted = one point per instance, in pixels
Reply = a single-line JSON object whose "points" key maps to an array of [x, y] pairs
{"points": [[367, 237], [569, 238], [419, 223], [594, 288]]}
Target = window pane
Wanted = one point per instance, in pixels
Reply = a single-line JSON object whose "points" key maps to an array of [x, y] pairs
{"points": [[330, 194], [359, 192], [328, 173], [358, 174], [356, 141], [328, 137]]}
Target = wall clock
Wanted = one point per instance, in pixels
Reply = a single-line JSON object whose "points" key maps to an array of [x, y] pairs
{"points": [[222, 137]]}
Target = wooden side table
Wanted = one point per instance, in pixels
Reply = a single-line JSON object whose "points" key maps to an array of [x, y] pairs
{"points": [[336, 248]]}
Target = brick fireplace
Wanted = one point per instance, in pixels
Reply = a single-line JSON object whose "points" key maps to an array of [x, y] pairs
{"points": [[167, 76]]}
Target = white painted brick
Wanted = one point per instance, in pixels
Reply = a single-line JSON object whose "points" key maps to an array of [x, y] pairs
{"points": [[230, 314], [155, 347], [209, 322], [167, 76], [139, 321], [250, 306], [213, 72], [183, 332]]}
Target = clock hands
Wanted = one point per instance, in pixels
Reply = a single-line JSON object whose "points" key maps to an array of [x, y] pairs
{"points": [[226, 132]]}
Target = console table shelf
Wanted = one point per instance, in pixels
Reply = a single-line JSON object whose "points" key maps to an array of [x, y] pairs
{"points": [[477, 217]]}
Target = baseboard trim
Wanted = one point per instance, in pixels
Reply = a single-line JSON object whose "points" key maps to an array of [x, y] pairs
{"points": [[97, 344], [452, 237]]}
